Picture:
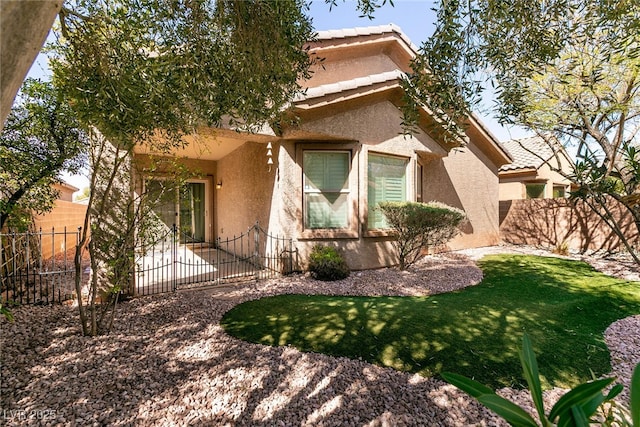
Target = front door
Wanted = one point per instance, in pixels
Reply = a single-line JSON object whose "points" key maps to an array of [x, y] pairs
{"points": [[192, 203]]}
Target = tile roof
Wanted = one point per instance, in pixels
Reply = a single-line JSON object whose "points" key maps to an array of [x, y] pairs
{"points": [[366, 31], [346, 85], [530, 152]]}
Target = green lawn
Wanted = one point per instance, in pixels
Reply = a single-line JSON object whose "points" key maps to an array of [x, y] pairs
{"points": [[563, 305]]}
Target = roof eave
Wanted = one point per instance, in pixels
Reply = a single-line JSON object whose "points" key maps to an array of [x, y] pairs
{"points": [[489, 141]]}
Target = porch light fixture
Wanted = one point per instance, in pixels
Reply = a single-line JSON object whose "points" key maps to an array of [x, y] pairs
{"points": [[219, 185]]}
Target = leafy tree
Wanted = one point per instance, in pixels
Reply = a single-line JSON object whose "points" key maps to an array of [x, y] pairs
{"points": [[419, 226], [121, 222], [589, 98], [40, 140], [567, 70], [149, 72]]}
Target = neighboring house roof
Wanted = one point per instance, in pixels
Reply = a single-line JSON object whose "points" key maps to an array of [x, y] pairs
{"points": [[527, 153]]}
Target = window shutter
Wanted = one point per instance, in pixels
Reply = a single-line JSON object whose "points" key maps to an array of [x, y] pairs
{"points": [[326, 186], [387, 183]]}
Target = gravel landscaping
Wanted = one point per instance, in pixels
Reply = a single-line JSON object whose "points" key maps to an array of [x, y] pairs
{"points": [[168, 362]]}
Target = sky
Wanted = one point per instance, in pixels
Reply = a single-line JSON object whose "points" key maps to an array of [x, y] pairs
{"points": [[415, 17]]}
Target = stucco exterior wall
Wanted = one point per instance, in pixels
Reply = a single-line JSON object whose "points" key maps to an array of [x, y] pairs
{"points": [[468, 180], [247, 189], [464, 179]]}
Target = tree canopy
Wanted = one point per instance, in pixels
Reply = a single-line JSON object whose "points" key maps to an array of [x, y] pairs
{"points": [[507, 43], [133, 67], [40, 140]]}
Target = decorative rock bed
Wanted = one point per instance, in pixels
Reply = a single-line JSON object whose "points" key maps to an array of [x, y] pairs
{"points": [[168, 362]]}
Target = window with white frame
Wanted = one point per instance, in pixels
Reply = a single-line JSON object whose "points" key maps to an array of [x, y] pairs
{"points": [[326, 189], [387, 182]]}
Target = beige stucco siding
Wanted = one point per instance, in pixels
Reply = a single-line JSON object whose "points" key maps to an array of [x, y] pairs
{"points": [[247, 189], [350, 68], [468, 180], [377, 128], [378, 125]]}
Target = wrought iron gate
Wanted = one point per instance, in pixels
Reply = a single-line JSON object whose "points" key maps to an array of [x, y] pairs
{"points": [[38, 267], [174, 263]]}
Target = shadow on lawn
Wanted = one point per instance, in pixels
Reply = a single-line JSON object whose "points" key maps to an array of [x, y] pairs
{"points": [[168, 362], [565, 307]]}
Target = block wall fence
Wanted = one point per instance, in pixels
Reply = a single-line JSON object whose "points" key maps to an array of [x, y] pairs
{"points": [[64, 214], [550, 223]]}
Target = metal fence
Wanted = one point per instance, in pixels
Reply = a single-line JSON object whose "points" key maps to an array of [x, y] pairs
{"points": [[170, 265], [38, 267]]}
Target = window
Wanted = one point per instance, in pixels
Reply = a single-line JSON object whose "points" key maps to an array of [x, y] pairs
{"points": [[184, 207], [326, 189], [535, 191], [559, 191], [387, 183]]}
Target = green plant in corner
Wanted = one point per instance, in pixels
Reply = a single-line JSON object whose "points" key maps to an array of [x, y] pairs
{"points": [[4, 311], [576, 408], [326, 263]]}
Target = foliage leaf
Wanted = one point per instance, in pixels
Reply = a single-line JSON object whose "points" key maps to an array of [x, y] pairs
{"points": [[578, 396]]}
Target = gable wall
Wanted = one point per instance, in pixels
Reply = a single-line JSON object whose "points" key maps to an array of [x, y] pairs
{"points": [[465, 179], [468, 180], [350, 68]]}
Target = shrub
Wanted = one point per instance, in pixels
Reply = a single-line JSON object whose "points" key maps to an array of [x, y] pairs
{"points": [[326, 263], [420, 225]]}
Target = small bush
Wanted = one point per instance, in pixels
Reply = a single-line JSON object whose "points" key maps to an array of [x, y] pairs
{"points": [[326, 263], [420, 226]]}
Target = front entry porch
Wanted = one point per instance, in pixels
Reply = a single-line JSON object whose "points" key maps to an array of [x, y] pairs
{"points": [[176, 262]]}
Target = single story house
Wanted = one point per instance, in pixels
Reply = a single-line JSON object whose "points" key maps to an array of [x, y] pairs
{"points": [[65, 191], [319, 181], [538, 171]]}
